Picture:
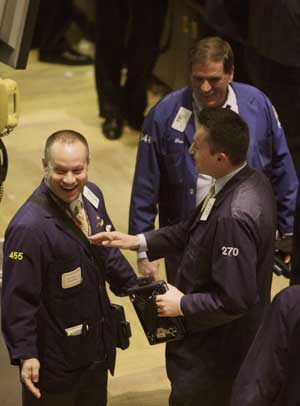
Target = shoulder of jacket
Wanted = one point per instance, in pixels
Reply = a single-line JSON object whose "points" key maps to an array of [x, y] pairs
{"points": [[170, 102], [248, 91], [29, 218]]}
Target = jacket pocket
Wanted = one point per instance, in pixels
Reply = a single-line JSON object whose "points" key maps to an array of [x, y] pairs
{"points": [[84, 348]]}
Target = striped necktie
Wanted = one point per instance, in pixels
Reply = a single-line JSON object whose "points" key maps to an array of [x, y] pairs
{"points": [[209, 195], [81, 217]]}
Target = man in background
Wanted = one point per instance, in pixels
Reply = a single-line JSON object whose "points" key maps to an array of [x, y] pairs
{"points": [[165, 179]]}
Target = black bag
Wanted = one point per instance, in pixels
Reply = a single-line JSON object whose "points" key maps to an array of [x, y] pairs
{"points": [[122, 326], [157, 329]]}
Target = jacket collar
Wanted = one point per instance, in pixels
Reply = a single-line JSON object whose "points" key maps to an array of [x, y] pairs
{"points": [[239, 177], [57, 212]]}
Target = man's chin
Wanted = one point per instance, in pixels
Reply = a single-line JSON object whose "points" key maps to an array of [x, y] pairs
{"points": [[70, 196], [210, 103]]}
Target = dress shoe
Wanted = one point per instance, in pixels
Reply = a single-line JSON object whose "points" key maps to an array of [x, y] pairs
{"points": [[112, 128], [66, 57]]}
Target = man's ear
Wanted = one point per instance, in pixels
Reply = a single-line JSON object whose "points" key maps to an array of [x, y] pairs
{"points": [[221, 157], [45, 164], [231, 74]]}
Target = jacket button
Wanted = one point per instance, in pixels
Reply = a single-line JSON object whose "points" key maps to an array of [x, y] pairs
{"points": [[192, 191]]}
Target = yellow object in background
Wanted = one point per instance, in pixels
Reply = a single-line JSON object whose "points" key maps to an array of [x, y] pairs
{"points": [[9, 105]]}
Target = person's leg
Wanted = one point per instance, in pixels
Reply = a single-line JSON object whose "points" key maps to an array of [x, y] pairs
{"points": [[53, 20], [146, 25], [218, 394], [197, 372], [48, 399], [94, 393], [111, 20]]}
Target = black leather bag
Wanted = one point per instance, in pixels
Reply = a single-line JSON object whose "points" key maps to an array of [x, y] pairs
{"points": [[157, 329], [122, 326]]}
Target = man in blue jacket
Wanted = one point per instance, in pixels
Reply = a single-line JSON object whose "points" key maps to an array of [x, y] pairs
{"points": [[56, 315], [165, 179]]}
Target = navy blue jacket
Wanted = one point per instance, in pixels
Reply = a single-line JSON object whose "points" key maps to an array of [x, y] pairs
{"points": [[225, 273], [41, 298], [165, 172], [270, 374]]}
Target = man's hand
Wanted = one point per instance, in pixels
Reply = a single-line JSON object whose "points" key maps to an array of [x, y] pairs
{"points": [[116, 239], [147, 268], [30, 375], [168, 304]]}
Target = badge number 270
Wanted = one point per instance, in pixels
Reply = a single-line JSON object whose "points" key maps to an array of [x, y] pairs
{"points": [[18, 256], [230, 251]]}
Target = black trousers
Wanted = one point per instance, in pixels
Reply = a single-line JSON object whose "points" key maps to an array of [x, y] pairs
{"points": [[54, 18], [92, 394], [295, 277], [218, 394], [127, 34]]}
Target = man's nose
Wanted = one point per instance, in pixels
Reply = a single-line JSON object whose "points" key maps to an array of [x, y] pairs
{"points": [[205, 86], [191, 150], [69, 178]]}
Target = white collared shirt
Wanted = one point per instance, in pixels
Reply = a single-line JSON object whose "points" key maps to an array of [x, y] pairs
{"points": [[221, 182], [204, 181]]}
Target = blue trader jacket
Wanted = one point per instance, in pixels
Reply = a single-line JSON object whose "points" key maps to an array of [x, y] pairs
{"points": [[270, 375], [165, 172], [51, 284]]}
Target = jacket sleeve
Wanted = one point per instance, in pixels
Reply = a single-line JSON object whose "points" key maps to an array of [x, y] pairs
{"points": [[233, 271], [283, 175], [146, 181], [262, 374], [118, 272], [170, 240], [22, 281]]}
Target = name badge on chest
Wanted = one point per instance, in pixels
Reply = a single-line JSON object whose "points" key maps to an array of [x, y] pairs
{"points": [[182, 117], [91, 197], [71, 279], [207, 210]]}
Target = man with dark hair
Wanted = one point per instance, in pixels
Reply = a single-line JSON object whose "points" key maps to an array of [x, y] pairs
{"points": [[56, 315], [224, 279], [165, 180]]}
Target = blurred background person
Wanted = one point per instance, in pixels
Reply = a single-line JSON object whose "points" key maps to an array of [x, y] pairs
{"points": [[127, 34], [53, 21]]}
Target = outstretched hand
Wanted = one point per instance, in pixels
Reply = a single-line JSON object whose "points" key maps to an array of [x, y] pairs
{"points": [[115, 239]]}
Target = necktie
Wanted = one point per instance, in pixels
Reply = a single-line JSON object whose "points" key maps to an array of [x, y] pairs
{"points": [[80, 215], [209, 195]]}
